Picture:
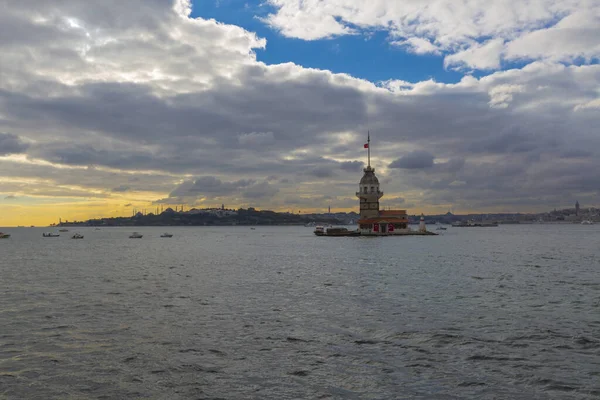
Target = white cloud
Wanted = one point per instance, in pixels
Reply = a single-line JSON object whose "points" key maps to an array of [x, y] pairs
{"points": [[575, 36], [484, 56], [419, 45], [560, 30], [502, 95]]}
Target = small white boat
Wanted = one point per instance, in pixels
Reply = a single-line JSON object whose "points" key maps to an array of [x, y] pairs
{"points": [[587, 222], [135, 235], [4, 235], [77, 236], [319, 230], [50, 234], [166, 235]]}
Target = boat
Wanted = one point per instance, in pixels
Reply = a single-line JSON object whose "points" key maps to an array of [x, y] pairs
{"points": [[335, 232], [4, 235], [587, 222], [77, 236], [135, 235], [63, 230], [470, 224], [441, 228], [166, 235], [50, 234]]}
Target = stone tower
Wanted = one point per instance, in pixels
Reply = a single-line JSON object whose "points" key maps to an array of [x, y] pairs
{"points": [[368, 189], [369, 194]]}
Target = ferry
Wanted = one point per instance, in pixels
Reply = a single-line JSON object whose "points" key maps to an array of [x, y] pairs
{"points": [[321, 231], [50, 234], [135, 235], [470, 224]]}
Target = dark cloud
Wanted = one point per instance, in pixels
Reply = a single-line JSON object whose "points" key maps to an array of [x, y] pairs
{"points": [[352, 166], [210, 186], [451, 166], [575, 153], [512, 142], [261, 190], [416, 160], [321, 172], [11, 144], [10, 197]]}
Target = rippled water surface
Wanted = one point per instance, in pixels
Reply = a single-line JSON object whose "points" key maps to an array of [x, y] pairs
{"points": [[511, 312]]}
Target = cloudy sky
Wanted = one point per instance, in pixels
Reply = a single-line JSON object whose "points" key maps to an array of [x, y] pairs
{"points": [[472, 105]]}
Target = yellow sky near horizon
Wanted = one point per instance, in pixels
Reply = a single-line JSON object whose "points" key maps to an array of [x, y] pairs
{"points": [[46, 214]]}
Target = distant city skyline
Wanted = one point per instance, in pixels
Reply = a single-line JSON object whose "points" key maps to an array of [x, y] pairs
{"points": [[472, 108]]}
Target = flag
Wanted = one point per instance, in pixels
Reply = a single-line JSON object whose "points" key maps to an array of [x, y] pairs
{"points": [[366, 145]]}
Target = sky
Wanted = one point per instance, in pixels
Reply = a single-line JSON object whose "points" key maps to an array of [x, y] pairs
{"points": [[472, 106]]}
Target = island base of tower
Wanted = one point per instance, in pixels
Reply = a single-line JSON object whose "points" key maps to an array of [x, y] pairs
{"points": [[400, 233], [337, 232]]}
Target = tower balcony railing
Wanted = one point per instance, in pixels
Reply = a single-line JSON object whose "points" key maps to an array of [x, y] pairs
{"points": [[378, 193]]}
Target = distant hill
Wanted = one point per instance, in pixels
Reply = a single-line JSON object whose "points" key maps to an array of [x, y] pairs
{"points": [[208, 218]]}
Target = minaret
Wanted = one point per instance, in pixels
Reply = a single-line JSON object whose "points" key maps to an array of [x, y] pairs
{"points": [[577, 208], [368, 188]]}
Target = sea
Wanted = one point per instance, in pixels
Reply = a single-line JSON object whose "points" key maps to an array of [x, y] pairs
{"points": [[274, 312]]}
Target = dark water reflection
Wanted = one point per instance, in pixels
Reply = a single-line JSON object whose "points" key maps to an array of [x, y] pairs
{"points": [[276, 313]]}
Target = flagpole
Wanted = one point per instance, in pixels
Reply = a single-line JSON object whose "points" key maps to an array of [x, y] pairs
{"points": [[369, 148]]}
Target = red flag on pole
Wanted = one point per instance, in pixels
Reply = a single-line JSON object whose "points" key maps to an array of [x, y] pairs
{"points": [[366, 145]]}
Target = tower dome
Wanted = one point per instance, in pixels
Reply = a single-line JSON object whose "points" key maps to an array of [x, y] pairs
{"points": [[369, 177]]}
